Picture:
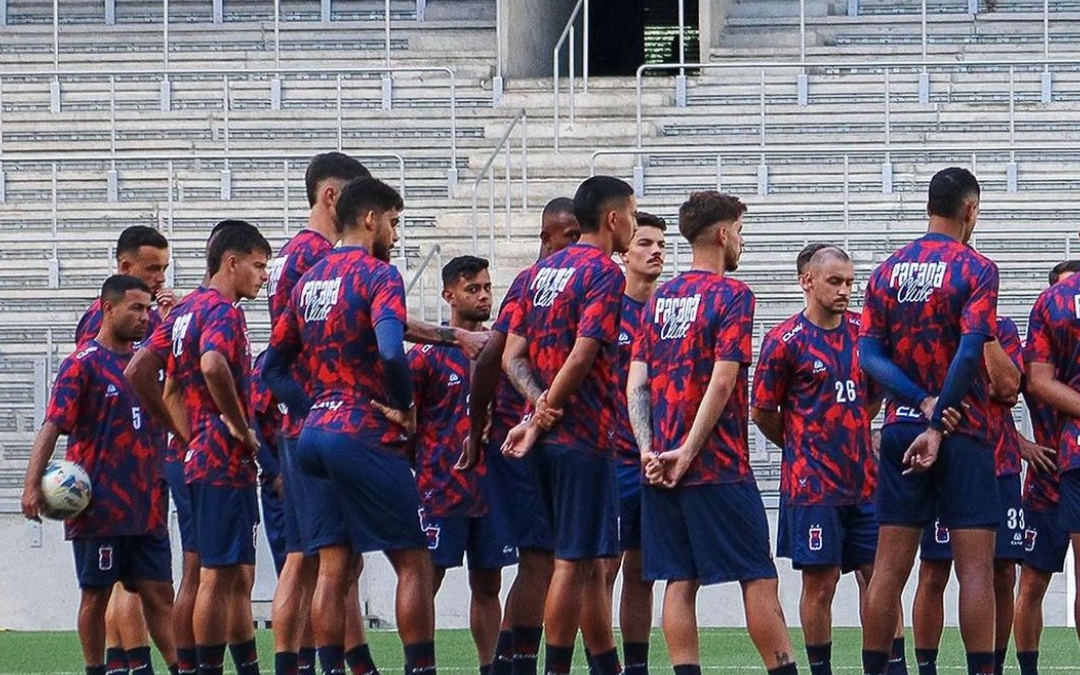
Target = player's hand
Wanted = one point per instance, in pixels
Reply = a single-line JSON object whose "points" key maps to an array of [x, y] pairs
{"points": [[471, 454], [654, 468], [545, 415], [406, 419], [521, 439], [32, 499], [950, 417], [675, 464], [923, 451], [245, 435], [166, 299], [278, 486], [472, 342], [1039, 458]]}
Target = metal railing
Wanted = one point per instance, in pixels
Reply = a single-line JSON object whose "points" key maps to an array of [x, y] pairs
{"points": [[274, 77], [488, 172], [435, 253], [570, 32], [924, 66]]}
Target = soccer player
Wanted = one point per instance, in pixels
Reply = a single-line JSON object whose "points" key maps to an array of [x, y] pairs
{"points": [[1052, 357], [1004, 364], [122, 536], [643, 263], [812, 400], [210, 363], [495, 407], [326, 175], [458, 517], [141, 252], [346, 317], [561, 354], [702, 520], [1045, 542], [929, 310], [268, 419]]}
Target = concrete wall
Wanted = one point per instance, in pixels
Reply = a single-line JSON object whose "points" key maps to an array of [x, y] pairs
{"points": [[529, 31], [711, 16], [38, 589]]}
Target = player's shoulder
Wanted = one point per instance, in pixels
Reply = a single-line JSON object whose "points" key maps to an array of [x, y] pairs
{"points": [[88, 352], [853, 318], [787, 330]]}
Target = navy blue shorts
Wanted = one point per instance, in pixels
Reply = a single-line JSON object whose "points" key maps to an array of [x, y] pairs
{"points": [[1045, 543], [226, 524], [100, 562], [374, 488], [960, 489], [484, 539], [181, 496], [1069, 502], [578, 495], [711, 533], [514, 498], [827, 536], [314, 517], [1009, 542], [628, 478]]}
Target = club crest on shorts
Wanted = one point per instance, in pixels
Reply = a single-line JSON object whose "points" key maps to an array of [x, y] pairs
{"points": [[431, 530], [1029, 539], [105, 558], [941, 533], [815, 537]]}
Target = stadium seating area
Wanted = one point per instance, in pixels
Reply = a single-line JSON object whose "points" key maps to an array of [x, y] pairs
{"points": [[99, 142]]}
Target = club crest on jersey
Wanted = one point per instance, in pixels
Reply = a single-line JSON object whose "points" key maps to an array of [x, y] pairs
{"points": [[105, 558], [431, 530], [916, 281], [815, 537], [549, 282], [318, 297], [1029, 539], [676, 315], [941, 533]]}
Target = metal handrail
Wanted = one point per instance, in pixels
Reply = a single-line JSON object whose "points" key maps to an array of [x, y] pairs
{"points": [[488, 171], [568, 31], [885, 66], [435, 250]]}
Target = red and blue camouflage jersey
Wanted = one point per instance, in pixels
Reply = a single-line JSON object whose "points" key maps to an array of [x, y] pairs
{"points": [[812, 376], [268, 412], [296, 257], [1007, 448], [94, 405], [509, 405], [441, 389], [176, 451], [575, 293], [1054, 338], [626, 447], [90, 324], [694, 321], [1041, 491], [331, 320], [918, 303], [209, 322]]}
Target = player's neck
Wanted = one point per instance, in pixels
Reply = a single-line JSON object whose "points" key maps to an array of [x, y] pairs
{"points": [[597, 240], [457, 321], [319, 221], [639, 288], [109, 341], [707, 260], [357, 237], [950, 228], [225, 286], [821, 317]]}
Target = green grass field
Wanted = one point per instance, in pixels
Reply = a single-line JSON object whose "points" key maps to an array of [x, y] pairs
{"points": [[726, 649]]}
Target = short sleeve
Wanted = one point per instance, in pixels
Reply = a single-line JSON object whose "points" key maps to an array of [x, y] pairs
{"points": [[1009, 337], [160, 341], [603, 304], [388, 296], [89, 325], [1040, 340], [979, 316], [873, 324], [518, 311], [509, 303], [771, 374], [286, 331], [68, 393], [642, 349], [220, 332], [735, 326]]}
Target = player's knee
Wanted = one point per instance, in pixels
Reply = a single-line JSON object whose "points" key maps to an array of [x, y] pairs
{"points": [[485, 583], [819, 587], [94, 601], [536, 567]]}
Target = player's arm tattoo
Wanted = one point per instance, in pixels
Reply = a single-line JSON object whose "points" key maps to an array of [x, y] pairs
{"points": [[639, 405], [519, 370], [422, 332]]}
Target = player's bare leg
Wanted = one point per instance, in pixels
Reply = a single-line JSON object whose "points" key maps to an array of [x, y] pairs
{"points": [[596, 608], [292, 600], [414, 606], [898, 659], [765, 622], [679, 622], [485, 612], [212, 626], [1004, 589], [635, 614], [1029, 608], [815, 603], [91, 624], [184, 610], [928, 610], [156, 604], [115, 657], [524, 615], [562, 611], [1075, 538], [895, 557], [241, 621], [328, 604], [973, 552]]}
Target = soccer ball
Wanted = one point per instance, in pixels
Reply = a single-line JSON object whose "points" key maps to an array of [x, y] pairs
{"points": [[67, 490]]}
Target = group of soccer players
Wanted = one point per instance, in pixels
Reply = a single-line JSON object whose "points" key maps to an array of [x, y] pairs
{"points": [[601, 423]]}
